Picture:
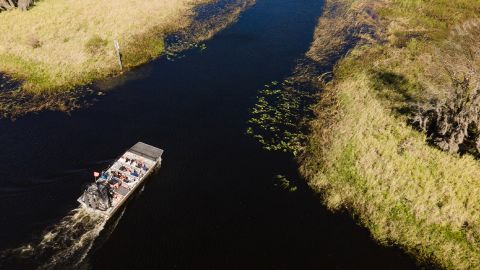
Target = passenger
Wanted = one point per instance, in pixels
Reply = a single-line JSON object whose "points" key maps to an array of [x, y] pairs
{"points": [[124, 169], [104, 175]]}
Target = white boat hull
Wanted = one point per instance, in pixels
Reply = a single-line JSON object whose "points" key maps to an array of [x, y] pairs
{"points": [[129, 172]]}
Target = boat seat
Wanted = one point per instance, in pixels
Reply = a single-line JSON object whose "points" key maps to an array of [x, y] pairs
{"points": [[122, 190]]}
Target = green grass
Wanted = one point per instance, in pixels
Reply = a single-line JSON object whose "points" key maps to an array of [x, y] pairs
{"points": [[59, 44], [405, 191], [363, 156]]}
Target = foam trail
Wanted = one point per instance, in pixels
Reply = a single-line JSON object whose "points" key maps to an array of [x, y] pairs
{"points": [[64, 245], [81, 263]]}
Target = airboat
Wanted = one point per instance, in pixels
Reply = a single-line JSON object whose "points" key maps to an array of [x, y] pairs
{"points": [[121, 180]]}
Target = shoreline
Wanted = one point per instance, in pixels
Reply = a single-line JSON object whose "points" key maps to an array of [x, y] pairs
{"points": [[53, 57], [363, 155], [18, 101]]}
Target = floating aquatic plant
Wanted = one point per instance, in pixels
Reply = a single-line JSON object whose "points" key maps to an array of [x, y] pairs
{"points": [[280, 116], [286, 184]]}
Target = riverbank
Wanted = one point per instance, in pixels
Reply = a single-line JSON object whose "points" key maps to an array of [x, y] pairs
{"points": [[364, 156], [63, 85], [58, 44]]}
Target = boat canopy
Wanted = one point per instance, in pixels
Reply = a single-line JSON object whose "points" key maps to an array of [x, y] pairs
{"points": [[146, 151]]}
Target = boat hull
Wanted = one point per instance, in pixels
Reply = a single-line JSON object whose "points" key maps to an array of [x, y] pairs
{"points": [[123, 179]]}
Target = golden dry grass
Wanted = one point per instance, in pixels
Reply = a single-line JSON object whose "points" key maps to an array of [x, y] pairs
{"points": [[363, 156], [405, 191], [62, 43]]}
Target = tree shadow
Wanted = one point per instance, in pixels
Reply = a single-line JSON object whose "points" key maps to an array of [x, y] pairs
{"points": [[396, 90]]}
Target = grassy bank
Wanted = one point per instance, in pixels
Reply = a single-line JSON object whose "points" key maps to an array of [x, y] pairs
{"points": [[364, 157], [59, 44]]}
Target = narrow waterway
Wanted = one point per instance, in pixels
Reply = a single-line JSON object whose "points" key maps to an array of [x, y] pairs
{"points": [[215, 203]]}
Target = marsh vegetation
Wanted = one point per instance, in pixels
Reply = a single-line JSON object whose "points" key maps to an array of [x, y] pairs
{"points": [[279, 118], [51, 66], [394, 129], [71, 43]]}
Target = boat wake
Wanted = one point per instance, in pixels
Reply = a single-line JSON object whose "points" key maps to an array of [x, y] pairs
{"points": [[63, 246]]}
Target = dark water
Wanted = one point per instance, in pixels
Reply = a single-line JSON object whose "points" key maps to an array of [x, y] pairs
{"points": [[215, 203]]}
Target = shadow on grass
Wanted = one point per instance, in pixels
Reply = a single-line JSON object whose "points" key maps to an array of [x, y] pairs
{"points": [[397, 90]]}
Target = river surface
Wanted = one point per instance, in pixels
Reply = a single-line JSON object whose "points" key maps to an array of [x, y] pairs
{"points": [[215, 203]]}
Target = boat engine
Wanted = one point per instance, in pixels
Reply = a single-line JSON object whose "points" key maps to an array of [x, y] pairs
{"points": [[97, 196]]}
